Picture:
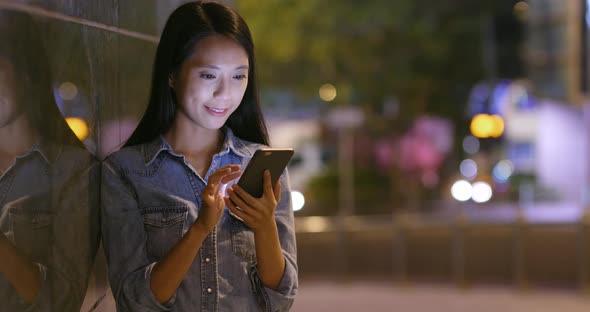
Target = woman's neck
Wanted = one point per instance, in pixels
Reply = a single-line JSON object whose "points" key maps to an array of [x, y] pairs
{"points": [[191, 140], [197, 144]]}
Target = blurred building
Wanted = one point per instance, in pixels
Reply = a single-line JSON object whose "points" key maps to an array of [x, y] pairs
{"points": [[556, 56], [556, 52]]}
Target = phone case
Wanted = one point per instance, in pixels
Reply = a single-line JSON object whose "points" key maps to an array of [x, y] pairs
{"points": [[273, 159]]}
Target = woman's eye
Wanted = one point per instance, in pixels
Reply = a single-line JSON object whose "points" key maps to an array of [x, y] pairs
{"points": [[240, 77], [207, 76]]}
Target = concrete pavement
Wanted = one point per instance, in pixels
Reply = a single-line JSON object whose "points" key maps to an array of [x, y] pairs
{"points": [[376, 297]]}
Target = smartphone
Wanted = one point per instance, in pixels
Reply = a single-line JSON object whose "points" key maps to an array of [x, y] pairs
{"points": [[273, 159]]}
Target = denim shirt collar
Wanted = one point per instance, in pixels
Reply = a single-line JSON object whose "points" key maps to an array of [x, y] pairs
{"points": [[231, 144], [48, 151]]}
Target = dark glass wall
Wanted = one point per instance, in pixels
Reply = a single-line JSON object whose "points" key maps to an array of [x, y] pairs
{"points": [[74, 82]]}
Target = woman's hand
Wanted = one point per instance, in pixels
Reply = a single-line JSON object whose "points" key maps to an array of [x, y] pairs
{"points": [[257, 213], [212, 204]]}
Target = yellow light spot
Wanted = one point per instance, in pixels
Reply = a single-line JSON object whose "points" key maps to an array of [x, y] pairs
{"points": [[498, 128], [78, 126], [521, 9], [481, 126], [486, 126], [327, 92]]}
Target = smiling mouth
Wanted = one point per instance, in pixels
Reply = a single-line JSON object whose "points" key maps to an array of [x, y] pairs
{"points": [[217, 110]]}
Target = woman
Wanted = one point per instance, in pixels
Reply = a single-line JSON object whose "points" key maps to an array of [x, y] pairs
{"points": [[48, 184], [171, 241]]}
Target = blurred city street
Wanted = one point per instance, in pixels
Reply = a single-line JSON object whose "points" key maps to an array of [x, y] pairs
{"points": [[375, 297], [441, 153]]}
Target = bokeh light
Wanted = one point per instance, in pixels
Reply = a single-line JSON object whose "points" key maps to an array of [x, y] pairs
{"points": [[470, 144], [78, 126], [468, 168], [482, 192], [461, 190], [503, 170], [68, 91], [498, 126], [521, 9], [481, 126], [298, 200], [486, 126], [327, 92]]}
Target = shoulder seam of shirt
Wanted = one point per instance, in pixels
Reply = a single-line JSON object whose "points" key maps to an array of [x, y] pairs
{"points": [[238, 146]]}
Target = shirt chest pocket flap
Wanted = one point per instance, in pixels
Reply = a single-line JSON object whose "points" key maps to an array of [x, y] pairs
{"points": [[163, 226]]}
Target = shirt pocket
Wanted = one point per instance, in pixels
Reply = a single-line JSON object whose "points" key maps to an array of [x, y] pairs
{"points": [[242, 240], [163, 226], [32, 232]]}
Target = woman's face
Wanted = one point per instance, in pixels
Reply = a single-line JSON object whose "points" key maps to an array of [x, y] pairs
{"points": [[212, 82], [8, 108]]}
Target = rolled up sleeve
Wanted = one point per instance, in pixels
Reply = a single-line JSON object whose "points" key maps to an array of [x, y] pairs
{"points": [[282, 298]]}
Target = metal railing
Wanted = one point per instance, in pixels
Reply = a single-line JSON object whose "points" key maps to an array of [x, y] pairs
{"points": [[554, 253]]}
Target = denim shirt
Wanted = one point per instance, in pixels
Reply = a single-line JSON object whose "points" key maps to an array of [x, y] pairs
{"points": [[151, 197], [49, 212]]}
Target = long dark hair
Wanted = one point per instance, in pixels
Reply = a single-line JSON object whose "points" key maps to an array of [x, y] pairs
{"points": [[186, 26], [23, 48]]}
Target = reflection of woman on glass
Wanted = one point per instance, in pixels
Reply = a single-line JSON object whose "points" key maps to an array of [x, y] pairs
{"points": [[48, 233], [169, 242]]}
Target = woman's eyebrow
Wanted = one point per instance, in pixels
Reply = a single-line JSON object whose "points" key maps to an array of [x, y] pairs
{"points": [[218, 68]]}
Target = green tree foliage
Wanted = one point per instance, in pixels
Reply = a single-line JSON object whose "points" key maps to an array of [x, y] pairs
{"points": [[426, 53]]}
